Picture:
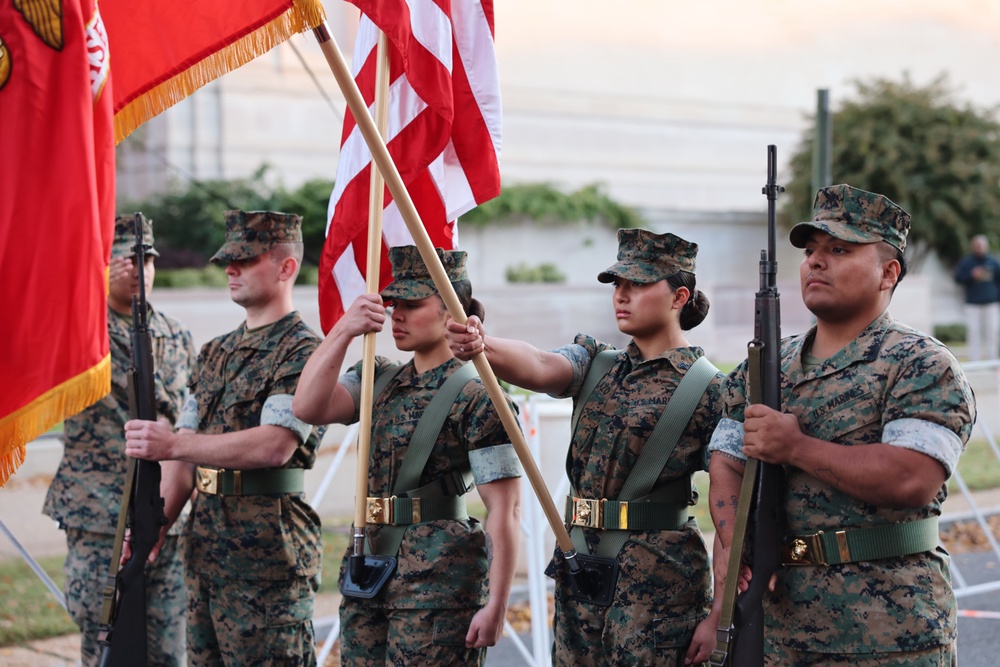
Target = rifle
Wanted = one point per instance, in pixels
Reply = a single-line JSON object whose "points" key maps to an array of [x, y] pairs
{"points": [[123, 615], [760, 519]]}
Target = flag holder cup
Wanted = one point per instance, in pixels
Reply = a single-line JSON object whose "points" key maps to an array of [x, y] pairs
{"points": [[592, 579], [365, 574]]}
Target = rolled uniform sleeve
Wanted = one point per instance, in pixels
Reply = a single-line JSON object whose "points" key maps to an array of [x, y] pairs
{"points": [[728, 439], [491, 455], [492, 463], [580, 359], [277, 411], [189, 414], [930, 408], [728, 435]]}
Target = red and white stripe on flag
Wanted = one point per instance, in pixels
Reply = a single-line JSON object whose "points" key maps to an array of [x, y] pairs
{"points": [[443, 134]]}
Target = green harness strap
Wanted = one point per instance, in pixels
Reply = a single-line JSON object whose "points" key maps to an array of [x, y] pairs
{"points": [[657, 451], [421, 443]]}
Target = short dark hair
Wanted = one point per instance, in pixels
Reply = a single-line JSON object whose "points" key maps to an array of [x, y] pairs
{"points": [[888, 252]]}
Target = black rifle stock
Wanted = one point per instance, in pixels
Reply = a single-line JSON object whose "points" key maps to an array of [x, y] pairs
{"points": [[123, 617], [758, 539]]}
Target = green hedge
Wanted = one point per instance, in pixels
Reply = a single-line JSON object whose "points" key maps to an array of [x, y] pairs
{"points": [[215, 276]]}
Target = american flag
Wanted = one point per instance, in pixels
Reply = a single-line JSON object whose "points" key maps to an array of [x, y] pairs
{"points": [[443, 134]]}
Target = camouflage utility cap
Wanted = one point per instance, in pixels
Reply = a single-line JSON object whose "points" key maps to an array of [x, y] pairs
{"points": [[252, 233], [410, 278], [124, 244], [645, 257], [856, 216]]}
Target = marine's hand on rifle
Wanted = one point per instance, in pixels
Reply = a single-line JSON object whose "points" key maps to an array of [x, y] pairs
{"points": [[769, 435], [127, 546], [465, 340], [149, 440]]}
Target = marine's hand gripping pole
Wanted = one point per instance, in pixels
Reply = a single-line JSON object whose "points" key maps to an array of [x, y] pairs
{"points": [[366, 574], [394, 182]]}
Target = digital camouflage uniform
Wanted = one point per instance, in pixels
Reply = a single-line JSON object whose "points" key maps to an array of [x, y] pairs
{"points": [[266, 547], [664, 584], [252, 562], [424, 611], [86, 492], [871, 391], [894, 385]]}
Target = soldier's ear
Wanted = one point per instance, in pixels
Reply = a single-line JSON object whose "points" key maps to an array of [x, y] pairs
{"points": [[289, 269], [890, 273]]}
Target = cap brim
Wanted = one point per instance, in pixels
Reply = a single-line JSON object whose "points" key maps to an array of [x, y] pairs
{"points": [[628, 272], [407, 291], [232, 253], [800, 234]]}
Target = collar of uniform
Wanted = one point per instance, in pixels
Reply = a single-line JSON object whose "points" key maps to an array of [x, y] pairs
{"points": [[430, 378], [267, 338], [681, 358], [865, 347]]}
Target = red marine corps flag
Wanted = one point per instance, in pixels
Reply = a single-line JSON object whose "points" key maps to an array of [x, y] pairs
{"points": [[57, 197], [57, 189], [443, 134]]}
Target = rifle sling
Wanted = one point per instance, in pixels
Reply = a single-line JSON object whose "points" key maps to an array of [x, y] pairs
{"points": [[660, 445], [111, 583], [421, 443], [721, 656]]}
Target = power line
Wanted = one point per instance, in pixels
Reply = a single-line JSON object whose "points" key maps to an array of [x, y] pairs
{"points": [[322, 91]]}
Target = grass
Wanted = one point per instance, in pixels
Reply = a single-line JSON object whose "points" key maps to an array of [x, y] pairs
{"points": [[979, 467], [29, 611]]}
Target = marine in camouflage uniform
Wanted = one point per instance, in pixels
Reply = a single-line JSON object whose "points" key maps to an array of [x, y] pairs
{"points": [[891, 384], [663, 590], [423, 614], [86, 493], [252, 555]]}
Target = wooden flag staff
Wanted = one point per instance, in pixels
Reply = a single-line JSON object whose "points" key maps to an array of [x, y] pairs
{"points": [[394, 182], [366, 574]]}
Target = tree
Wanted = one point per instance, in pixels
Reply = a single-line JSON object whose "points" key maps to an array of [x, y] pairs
{"points": [[935, 157], [189, 222]]}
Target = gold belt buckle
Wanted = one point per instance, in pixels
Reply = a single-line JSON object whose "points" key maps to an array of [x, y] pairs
{"points": [[586, 512], [379, 510], [208, 480], [806, 550]]}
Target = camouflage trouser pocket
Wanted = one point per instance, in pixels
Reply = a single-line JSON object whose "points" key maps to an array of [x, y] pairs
{"points": [[289, 612], [673, 633], [451, 631]]}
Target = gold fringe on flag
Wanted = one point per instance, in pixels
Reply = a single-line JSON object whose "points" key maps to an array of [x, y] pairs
{"points": [[69, 398], [301, 16]]}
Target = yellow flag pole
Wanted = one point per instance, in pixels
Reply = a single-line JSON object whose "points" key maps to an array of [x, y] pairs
{"points": [[394, 182], [375, 206]]}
